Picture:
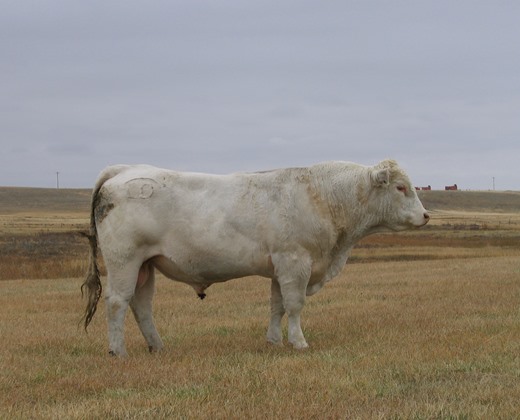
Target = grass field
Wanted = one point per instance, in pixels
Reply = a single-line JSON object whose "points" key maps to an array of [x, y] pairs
{"points": [[424, 324]]}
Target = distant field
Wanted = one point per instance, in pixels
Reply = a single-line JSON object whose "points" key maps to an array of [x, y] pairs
{"points": [[16, 200], [39, 231], [422, 324]]}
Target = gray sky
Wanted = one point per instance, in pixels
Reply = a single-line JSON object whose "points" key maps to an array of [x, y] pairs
{"points": [[234, 85]]}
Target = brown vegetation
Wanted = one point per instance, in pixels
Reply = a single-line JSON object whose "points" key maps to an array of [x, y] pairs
{"points": [[424, 324]]}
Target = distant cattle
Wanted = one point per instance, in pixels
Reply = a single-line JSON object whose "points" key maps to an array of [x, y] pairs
{"points": [[295, 226], [451, 187]]}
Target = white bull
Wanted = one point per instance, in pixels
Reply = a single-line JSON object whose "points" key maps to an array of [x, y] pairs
{"points": [[295, 226]]}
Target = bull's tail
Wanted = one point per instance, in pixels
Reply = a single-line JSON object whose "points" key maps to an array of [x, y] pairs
{"points": [[92, 284]]}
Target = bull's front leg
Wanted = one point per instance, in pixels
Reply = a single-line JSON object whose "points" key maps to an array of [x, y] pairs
{"points": [[274, 333], [293, 300], [293, 272]]}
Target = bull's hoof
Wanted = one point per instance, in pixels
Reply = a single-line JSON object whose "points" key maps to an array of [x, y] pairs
{"points": [[300, 345], [113, 353], [277, 343]]}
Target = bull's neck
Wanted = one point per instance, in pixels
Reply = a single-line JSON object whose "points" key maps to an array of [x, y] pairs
{"points": [[352, 206]]}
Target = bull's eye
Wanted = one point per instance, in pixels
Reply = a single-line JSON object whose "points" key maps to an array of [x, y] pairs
{"points": [[401, 188]]}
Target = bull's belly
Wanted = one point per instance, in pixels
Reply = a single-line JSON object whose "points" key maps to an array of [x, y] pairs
{"points": [[203, 272]]}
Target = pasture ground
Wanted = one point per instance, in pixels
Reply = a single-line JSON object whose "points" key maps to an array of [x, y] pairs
{"points": [[424, 324]]}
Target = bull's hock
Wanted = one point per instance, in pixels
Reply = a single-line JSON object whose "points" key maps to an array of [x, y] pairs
{"points": [[295, 226]]}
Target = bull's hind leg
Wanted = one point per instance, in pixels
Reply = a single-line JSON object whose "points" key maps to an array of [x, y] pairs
{"points": [[121, 285], [274, 333], [141, 304]]}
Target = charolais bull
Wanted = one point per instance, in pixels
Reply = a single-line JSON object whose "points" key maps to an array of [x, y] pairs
{"points": [[295, 226]]}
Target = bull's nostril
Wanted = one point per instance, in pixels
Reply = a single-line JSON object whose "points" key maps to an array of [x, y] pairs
{"points": [[426, 216]]}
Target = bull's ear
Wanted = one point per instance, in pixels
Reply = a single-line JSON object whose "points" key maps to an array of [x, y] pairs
{"points": [[380, 177]]}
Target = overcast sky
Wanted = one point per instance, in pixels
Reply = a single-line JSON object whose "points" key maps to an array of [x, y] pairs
{"points": [[233, 85]]}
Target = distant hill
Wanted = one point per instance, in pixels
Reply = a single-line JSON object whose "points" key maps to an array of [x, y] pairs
{"points": [[13, 200], [486, 201]]}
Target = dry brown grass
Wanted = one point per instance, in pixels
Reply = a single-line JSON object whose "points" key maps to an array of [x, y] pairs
{"points": [[42, 255], [39, 232], [424, 339], [425, 325]]}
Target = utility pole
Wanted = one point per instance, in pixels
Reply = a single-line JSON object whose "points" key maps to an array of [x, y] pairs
{"points": [[493, 183], [57, 180]]}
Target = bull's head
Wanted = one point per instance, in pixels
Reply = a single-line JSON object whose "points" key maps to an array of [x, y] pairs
{"points": [[399, 205]]}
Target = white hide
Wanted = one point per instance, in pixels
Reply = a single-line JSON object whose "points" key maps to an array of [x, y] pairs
{"points": [[295, 226]]}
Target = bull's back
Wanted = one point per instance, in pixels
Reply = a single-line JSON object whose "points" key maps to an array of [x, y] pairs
{"points": [[221, 208]]}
